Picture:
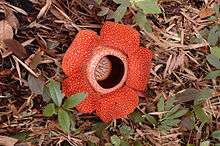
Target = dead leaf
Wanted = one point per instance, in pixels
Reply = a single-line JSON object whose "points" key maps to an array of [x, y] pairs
{"points": [[7, 141], [12, 19], [186, 95], [36, 84], [45, 8], [36, 60], [15, 47], [6, 31], [206, 12]]}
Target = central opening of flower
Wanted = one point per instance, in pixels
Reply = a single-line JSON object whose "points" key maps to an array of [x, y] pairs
{"points": [[107, 70]]}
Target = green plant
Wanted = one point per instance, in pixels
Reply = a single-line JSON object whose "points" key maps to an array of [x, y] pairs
{"points": [[214, 60], [60, 108], [139, 8], [171, 115], [197, 107]]}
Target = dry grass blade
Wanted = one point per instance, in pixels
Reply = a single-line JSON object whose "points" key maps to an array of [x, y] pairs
{"points": [[62, 16], [17, 9], [45, 8], [28, 42], [167, 66], [18, 70], [25, 66]]}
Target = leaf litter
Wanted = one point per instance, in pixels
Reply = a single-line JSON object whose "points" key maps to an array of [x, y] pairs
{"points": [[33, 43]]}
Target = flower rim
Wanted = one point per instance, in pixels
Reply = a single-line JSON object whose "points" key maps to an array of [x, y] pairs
{"points": [[98, 54]]}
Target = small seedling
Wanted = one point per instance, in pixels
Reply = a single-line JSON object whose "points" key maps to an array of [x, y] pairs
{"points": [[62, 108]]}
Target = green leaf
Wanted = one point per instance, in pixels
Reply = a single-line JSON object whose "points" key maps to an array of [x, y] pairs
{"points": [[214, 61], [98, 2], [171, 122], [213, 36], [169, 103], [172, 111], [55, 92], [74, 100], [73, 123], [215, 51], [124, 143], [138, 143], [204, 143], [151, 119], [136, 117], [148, 6], [213, 75], [141, 20], [216, 9], [188, 144], [119, 13], [203, 95], [89, 143], [125, 130], [123, 2], [115, 140], [64, 120], [178, 114], [216, 134], [160, 104], [22, 136], [200, 114], [99, 128], [49, 110], [164, 127]]}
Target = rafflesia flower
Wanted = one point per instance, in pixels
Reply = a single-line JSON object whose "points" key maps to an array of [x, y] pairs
{"points": [[111, 68]]}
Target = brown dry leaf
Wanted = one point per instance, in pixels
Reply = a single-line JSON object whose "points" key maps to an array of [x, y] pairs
{"points": [[7, 141], [186, 95], [36, 84], [36, 60], [45, 8], [12, 19], [15, 47], [206, 12], [6, 31]]}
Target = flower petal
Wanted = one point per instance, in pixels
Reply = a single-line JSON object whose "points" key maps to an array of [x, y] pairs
{"points": [[117, 104], [78, 83], [139, 66], [119, 36], [79, 51]]}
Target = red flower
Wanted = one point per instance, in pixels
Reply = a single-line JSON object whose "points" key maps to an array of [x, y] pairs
{"points": [[110, 67]]}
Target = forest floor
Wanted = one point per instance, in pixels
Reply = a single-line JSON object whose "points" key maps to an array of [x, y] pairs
{"points": [[183, 95]]}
